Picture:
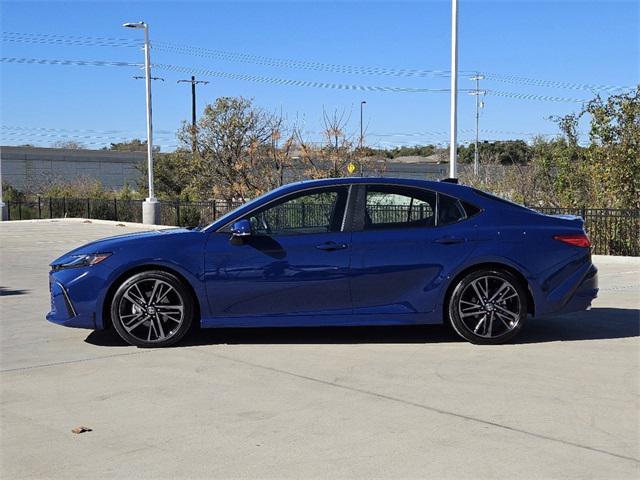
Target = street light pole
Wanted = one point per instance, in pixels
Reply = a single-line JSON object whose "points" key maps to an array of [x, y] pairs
{"points": [[4, 212], [150, 207], [477, 93], [362, 103], [453, 141]]}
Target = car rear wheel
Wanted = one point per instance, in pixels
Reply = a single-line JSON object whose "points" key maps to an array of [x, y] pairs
{"points": [[152, 309], [488, 307]]}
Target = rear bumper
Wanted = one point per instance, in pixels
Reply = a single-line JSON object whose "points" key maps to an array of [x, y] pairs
{"points": [[573, 292], [586, 292]]}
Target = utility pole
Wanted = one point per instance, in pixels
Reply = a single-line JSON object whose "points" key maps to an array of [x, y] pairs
{"points": [[479, 104], [151, 206], [453, 140], [193, 83]]}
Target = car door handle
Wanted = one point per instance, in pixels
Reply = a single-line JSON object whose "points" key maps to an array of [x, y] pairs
{"points": [[450, 240], [331, 246]]}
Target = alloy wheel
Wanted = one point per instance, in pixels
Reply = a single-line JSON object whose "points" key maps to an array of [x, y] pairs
{"points": [[151, 310], [490, 306]]}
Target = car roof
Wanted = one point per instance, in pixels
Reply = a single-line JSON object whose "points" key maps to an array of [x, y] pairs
{"points": [[462, 191]]}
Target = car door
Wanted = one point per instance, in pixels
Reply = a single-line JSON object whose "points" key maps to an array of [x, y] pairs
{"points": [[404, 245], [294, 264]]}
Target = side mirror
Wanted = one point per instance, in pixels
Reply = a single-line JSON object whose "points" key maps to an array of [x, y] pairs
{"points": [[241, 229]]}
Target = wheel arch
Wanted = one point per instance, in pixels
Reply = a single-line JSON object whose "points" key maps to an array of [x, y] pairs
{"points": [[113, 287], [495, 265]]}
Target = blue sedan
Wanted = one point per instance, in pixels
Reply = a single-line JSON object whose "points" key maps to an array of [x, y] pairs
{"points": [[349, 251]]}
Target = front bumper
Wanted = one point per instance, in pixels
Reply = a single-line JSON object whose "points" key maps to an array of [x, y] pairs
{"points": [[74, 296]]}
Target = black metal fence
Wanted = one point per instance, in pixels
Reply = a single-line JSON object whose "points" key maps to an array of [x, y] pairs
{"points": [[612, 231], [171, 213]]}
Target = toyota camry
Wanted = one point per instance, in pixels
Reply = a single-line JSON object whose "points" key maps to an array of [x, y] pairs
{"points": [[349, 251]]}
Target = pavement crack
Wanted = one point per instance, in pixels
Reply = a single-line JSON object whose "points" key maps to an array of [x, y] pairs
{"points": [[432, 409], [79, 360]]}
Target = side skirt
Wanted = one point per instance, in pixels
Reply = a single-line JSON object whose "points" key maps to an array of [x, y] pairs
{"points": [[322, 320]]}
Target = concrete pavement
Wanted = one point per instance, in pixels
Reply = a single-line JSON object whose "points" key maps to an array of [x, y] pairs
{"points": [[396, 402]]}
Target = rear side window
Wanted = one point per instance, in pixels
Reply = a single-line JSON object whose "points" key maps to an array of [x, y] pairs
{"points": [[450, 210], [501, 200], [470, 210], [399, 207]]}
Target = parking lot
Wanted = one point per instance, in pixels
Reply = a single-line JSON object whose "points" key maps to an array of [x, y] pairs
{"points": [[563, 401]]}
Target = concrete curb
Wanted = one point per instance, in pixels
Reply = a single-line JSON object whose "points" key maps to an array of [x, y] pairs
{"points": [[94, 222], [611, 259]]}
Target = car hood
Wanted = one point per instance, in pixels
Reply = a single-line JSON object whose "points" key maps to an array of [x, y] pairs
{"points": [[112, 244]]}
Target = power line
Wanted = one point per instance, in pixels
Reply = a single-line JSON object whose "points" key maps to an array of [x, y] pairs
{"points": [[49, 39], [83, 63], [295, 83], [515, 79], [281, 81], [56, 39], [74, 130], [531, 96], [299, 64]]}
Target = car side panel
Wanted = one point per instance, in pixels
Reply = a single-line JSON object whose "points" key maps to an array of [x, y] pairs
{"points": [[402, 271]]}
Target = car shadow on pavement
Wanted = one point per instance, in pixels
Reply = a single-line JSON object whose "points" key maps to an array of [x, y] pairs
{"points": [[6, 292], [596, 324]]}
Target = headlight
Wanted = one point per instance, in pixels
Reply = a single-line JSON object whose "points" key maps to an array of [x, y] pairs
{"points": [[82, 261]]}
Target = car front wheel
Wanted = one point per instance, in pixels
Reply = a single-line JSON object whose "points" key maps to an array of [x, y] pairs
{"points": [[488, 307], [152, 309]]}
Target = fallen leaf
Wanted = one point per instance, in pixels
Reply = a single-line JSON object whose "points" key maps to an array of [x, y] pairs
{"points": [[81, 429]]}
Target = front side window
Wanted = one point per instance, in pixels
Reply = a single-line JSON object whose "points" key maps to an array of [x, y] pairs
{"points": [[399, 207], [315, 211]]}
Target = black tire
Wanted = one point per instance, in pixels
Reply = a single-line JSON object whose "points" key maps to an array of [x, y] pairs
{"points": [[488, 307], [152, 304]]}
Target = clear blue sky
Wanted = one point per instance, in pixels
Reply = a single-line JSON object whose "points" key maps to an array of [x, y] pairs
{"points": [[593, 42]]}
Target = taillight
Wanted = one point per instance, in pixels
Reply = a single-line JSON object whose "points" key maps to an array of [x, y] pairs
{"points": [[576, 239]]}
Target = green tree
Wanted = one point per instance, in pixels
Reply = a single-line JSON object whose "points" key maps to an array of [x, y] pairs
{"points": [[614, 151], [133, 145], [234, 158]]}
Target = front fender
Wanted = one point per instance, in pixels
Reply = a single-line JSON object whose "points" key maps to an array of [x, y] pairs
{"points": [[193, 277]]}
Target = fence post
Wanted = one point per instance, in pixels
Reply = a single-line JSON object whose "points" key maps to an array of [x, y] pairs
{"points": [[19, 210], [88, 208], [50, 209], [215, 211], [115, 208], [64, 207], [178, 213], [39, 208]]}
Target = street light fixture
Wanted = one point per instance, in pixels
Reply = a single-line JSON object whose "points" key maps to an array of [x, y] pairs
{"points": [[150, 207]]}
